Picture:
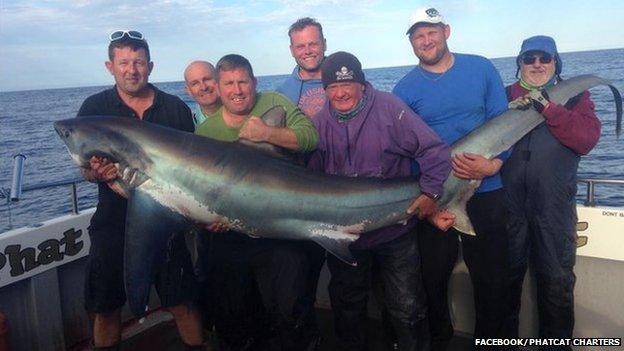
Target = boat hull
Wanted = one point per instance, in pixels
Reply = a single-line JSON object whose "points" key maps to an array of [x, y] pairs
{"points": [[51, 294]]}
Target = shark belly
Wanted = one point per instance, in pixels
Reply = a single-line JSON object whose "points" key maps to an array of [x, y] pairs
{"points": [[179, 200]]}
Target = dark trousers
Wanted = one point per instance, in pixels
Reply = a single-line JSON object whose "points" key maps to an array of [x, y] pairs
{"points": [[252, 288], [397, 266], [307, 322], [280, 272], [485, 255], [548, 239]]}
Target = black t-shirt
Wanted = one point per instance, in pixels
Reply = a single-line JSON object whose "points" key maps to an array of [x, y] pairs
{"points": [[167, 110]]}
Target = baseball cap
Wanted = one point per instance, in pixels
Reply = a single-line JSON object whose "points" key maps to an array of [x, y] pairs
{"points": [[424, 15]]}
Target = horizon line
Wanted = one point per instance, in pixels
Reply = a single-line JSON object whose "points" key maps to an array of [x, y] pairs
{"points": [[267, 75]]}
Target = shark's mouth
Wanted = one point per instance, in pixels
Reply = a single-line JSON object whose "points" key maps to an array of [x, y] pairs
{"points": [[83, 160], [100, 154]]}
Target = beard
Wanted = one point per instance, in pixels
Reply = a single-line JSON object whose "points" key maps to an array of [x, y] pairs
{"points": [[441, 50]]}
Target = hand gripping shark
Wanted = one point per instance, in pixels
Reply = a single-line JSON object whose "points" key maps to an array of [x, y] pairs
{"points": [[175, 179]]}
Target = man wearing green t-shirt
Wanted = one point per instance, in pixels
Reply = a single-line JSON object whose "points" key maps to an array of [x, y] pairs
{"points": [[242, 106], [277, 267]]}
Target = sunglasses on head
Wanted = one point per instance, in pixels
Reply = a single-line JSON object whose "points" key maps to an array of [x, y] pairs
{"points": [[132, 34], [530, 59]]}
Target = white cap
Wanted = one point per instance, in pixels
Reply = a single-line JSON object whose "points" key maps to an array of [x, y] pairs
{"points": [[424, 15]]}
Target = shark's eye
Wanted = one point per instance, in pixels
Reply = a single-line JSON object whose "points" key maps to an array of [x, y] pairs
{"points": [[67, 134]]}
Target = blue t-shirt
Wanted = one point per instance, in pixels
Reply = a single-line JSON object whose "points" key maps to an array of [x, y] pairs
{"points": [[198, 116], [456, 102], [308, 94]]}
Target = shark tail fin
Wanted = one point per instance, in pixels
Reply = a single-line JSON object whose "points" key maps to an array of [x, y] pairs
{"points": [[618, 110], [568, 88]]}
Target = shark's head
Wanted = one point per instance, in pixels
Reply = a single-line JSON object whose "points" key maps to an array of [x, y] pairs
{"points": [[100, 136]]}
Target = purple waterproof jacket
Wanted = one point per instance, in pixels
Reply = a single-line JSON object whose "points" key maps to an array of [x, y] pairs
{"points": [[381, 142]]}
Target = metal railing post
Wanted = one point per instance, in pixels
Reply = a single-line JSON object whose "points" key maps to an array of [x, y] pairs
{"points": [[74, 197], [589, 200], [18, 175]]}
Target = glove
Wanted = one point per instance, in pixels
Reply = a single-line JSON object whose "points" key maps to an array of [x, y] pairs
{"points": [[540, 100]]}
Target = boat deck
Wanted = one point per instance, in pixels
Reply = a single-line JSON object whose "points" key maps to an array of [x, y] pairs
{"points": [[158, 332]]}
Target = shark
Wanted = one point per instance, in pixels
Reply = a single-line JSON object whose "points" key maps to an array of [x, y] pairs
{"points": [[175, 180]]}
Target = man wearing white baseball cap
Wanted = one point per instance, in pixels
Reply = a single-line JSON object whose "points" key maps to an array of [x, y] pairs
{"points": [[454, 94], [424, 15]]}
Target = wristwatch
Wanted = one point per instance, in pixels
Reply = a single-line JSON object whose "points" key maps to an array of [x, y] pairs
{"points": [[433, 197]]}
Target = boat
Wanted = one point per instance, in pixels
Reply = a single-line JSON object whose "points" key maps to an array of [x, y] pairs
{"points": [[42, 279]]}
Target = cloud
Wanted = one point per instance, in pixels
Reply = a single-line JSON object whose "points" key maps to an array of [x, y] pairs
{"points": [[43, 41]]}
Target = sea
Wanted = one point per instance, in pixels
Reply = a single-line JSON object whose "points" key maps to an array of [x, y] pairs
{"points": [[26, 119]]}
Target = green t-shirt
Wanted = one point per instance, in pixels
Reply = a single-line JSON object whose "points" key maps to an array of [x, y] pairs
{"points": [[307, 137]]}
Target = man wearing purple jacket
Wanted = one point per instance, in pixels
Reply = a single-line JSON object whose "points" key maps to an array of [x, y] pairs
{"points": [[368, 133]]}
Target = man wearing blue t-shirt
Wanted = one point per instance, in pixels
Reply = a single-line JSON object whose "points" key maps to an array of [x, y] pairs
{"points": [[307, 47], [454, 94], [305, 89]]}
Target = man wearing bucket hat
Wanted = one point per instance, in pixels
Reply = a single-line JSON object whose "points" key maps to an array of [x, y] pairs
{"points": [[454, 94], [367, 133], [540, 180]]}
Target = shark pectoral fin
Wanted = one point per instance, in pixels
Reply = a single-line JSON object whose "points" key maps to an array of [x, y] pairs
{"points": [[275, 117], [337, 243], [128, 180], [462, 222], [149, 229], [458, 206]]}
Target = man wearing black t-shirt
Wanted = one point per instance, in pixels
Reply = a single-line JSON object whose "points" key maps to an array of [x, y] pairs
{"points": [[132, 97]]}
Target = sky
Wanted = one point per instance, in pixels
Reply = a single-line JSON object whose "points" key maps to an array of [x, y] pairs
{"points": [[55, 44]]}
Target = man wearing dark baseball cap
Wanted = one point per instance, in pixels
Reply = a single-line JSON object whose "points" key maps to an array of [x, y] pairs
{"points": [[364, 132]]}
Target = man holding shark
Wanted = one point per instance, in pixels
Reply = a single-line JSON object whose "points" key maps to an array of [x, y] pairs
{"points": [[455, 94], [132, 97], [367, 133], [540, 180], [280, 268]]}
